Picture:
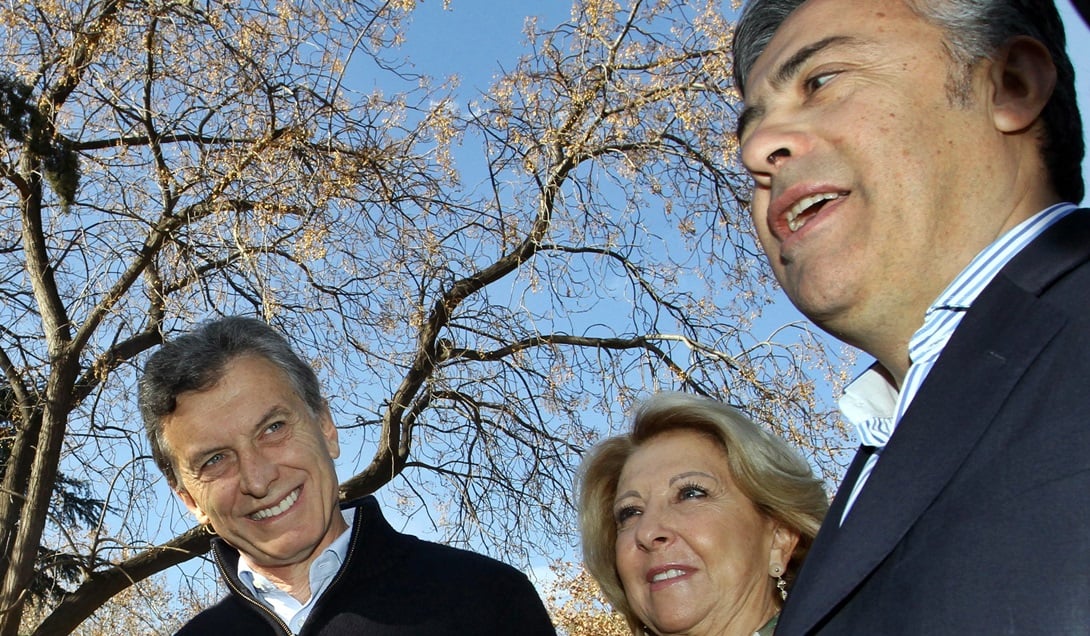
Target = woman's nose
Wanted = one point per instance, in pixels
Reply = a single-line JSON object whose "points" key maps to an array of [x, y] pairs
{"points": [[653, 530]]}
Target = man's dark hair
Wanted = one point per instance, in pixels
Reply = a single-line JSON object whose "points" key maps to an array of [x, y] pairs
{"points": [[197, 360], [975, 29]]}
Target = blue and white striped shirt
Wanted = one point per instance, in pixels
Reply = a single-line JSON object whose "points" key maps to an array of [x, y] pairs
{"points": [[875, 407]]}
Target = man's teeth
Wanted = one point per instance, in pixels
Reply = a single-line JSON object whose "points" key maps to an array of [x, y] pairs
{"points": [[278, 508], [793, 220], [668, 574]]}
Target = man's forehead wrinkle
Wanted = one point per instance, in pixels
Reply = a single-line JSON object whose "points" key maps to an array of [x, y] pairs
{"points": [[787, 71]]}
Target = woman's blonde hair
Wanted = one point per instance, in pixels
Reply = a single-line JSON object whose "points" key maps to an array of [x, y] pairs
{"points": [[774, 477]]}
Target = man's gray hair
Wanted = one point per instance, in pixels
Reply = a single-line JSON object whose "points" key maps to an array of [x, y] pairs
{"points": [[197, 360]]}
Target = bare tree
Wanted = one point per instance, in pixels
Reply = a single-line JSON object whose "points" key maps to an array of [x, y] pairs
{"points": [[151, 606], [578, 606], [166, 161]]}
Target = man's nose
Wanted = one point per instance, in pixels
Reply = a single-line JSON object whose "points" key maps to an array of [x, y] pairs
{"points": [[771, 145], [256, 473]]}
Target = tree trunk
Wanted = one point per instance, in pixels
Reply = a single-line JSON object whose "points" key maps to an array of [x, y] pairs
{"points": [[35, 509]]}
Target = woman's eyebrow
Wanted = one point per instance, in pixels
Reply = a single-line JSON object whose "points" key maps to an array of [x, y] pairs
{"points": [[690, 474]]}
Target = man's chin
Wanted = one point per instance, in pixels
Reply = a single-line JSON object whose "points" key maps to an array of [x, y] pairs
{"points": [[276, 553]]}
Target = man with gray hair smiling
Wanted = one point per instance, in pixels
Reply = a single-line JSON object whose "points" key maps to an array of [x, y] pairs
{"points": [[914, 165], [239, 427]]}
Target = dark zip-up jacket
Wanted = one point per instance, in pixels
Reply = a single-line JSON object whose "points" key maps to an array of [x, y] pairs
{"points": [[390, 584]]}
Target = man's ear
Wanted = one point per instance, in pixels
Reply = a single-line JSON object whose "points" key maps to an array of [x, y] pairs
{"points": [[329, 431], [784, 540], [191, 504], [1023, 77]]}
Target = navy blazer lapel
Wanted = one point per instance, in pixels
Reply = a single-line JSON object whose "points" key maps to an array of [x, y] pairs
{"points": [[821, 563], [836, 510], [994, 355], [1007, 327]]}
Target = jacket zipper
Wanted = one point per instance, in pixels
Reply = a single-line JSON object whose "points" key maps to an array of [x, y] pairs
{"points": [[356, 523], [252, 601]]}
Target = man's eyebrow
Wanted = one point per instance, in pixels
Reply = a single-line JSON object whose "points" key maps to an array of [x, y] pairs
{"points": [[787, 71]]}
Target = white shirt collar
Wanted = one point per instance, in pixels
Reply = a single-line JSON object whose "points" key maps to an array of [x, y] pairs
{"points": [[322, 570]]}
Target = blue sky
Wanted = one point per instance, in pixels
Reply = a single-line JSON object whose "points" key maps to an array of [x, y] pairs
{"points": [[1078, 47], [476, 39]]}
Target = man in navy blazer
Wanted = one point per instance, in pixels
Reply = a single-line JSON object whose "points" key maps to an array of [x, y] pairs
{"points": [[913, 161]]}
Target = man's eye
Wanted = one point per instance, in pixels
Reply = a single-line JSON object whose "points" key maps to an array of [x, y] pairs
{"points": [[213, 460], [815, 82], [274, 427]]}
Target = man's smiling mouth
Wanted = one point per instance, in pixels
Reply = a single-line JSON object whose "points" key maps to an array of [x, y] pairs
{"points": [[279, 508], [797, 214]]}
